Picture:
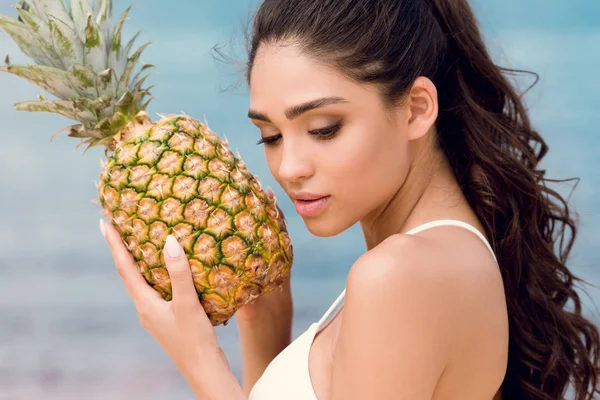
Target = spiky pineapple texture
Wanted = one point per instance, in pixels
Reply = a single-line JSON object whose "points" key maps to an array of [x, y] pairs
{"points": [[80, 59], [177, 177]]}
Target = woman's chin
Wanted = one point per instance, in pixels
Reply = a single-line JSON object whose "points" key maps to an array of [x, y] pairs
{"points": [[324, 227]]}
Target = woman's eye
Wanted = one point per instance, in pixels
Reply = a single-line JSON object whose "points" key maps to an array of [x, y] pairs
{"points": [[270, 140], [327, 132], [321, 134]]}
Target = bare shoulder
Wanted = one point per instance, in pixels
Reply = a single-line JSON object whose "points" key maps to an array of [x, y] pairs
{"points": [[422, 314], [448, 259], [443, 278]]}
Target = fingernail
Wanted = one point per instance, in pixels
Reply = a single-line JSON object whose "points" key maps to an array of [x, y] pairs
{"points": [[172, 247], [102, 229]]}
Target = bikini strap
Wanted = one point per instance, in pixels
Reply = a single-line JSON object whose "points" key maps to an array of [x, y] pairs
{"points": [[332, 308], [457, 223], [420, 228]]}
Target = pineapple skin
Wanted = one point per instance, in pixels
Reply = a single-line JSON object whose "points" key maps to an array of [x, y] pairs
{"points": [[175, 176]]}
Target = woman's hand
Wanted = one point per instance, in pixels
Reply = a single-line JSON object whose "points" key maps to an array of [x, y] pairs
{"points": [[181, 325]]}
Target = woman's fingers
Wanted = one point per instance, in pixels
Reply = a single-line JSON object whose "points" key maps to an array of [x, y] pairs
{"points": [[136, 285], [184, 291]]}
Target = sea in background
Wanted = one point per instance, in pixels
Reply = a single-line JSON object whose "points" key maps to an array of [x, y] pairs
{"points": [[68, 330]]}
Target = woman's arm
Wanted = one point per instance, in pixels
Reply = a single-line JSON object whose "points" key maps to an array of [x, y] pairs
{"points": [[211, 378], [265, 328]]}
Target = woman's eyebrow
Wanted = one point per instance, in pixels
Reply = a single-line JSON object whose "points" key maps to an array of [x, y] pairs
{"points": [[297, 110]]}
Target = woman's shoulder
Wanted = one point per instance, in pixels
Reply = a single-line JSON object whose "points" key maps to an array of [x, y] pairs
{"points": [[449, 255], [445, 278], [417, 307]]}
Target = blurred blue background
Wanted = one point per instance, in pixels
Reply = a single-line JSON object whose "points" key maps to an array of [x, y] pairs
{"points": [[68, 329]]}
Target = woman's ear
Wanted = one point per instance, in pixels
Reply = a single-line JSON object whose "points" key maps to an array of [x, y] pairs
{"points": [[422, 105]]}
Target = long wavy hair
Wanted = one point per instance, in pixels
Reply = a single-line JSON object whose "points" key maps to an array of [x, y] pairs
{"points": [[485, 132]]}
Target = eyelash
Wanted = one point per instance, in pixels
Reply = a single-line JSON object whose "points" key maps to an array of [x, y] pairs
{"points": [[324, 134]]}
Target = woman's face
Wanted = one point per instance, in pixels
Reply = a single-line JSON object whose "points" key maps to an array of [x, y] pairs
{"points": [[328, 141]]}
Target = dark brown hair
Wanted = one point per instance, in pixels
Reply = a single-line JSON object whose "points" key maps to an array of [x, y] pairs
{"points": [[484, 131]]}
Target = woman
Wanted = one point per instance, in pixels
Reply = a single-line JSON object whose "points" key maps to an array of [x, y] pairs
{"points": [[391, 113]]}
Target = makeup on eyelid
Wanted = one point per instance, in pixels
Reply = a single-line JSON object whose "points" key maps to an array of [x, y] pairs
{"points": [[325, 133]]}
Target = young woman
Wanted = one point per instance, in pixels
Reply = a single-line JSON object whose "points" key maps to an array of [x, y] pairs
{"points": [[391, 113]]}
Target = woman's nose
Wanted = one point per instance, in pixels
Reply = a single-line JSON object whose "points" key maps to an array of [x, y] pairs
{"points": [[295, 164]]}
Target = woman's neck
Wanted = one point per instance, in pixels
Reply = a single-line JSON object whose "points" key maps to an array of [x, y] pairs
{"points": [[430, 191]]}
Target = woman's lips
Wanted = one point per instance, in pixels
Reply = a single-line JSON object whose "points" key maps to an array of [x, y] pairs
{"points": [[311, 208]]}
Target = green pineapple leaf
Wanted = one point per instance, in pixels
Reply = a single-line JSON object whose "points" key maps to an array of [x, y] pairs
{"points": [[66, 42], [53, 80], [80, 58], [80, 9], [95, 46], [41, 32], [24, 38], [115, 55]]}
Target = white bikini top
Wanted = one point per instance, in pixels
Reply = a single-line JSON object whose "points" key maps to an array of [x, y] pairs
{"points": [[287, 377]]}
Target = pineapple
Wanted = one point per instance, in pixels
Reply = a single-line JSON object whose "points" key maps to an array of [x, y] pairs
{"points": [[172, 176]]}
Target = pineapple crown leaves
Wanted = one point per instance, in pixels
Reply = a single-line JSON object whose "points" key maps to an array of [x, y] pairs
{"points": [[79, 58]]}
